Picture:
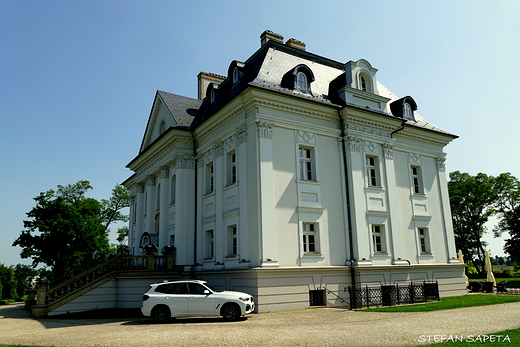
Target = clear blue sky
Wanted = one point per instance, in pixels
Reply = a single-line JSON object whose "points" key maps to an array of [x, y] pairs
{"points": [[77, 78]]}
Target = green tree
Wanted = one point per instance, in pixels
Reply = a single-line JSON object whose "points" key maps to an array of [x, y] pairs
{"points": [[471, 200], [7, 282], [65, 229], [508, 209]]}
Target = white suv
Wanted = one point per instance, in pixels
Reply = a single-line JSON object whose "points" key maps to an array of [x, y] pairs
{"points": [[192, 298]]}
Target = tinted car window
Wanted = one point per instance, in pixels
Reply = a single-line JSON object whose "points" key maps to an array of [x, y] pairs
{"points": [[196, 288], [164, 288], [180, 288]]}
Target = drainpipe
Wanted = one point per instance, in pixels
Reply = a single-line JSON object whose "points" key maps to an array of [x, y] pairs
{"points": [[398, 129], [195, 212], [349, 213]]}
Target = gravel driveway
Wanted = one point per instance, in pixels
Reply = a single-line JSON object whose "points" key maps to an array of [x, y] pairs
{"points": [[312, 327]]}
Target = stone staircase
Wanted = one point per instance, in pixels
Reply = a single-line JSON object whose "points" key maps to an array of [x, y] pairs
{"points": [[71, 286]]}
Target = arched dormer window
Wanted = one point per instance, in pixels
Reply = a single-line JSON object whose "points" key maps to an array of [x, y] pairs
{"points": [[212, 96], [298, 79], [365, 83], [301, 82], [404, 108], [236, 75]]}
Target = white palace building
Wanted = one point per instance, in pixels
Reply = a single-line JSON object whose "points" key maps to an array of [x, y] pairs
{"points": [[295, 174]]}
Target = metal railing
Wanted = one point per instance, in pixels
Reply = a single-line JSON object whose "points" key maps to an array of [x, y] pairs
{"points": [[394, 294]]}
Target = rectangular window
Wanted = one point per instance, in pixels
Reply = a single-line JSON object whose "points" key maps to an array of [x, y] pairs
{"points": [[306, 164], [173, 189], [232, 241], [372, 174], [424, 241], [210, 178], [210, 245], [232, 168], [310, 237], [417, 180], [378, 239]]}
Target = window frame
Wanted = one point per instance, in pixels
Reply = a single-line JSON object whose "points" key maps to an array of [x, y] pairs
{"points": [[232, 234], [232, 170], [424, 240], [173, 189], [209, 244], [378, 238], [416, 179], [306, 164], [310, 238], [372, 171], [210, 177]]}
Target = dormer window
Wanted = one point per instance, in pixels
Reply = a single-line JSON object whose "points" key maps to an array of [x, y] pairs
{"points": [[404, 108], [363, 84], [408, 113], [162, 127], [301, 82], [298, 79], [235, 75], [212, 96]]}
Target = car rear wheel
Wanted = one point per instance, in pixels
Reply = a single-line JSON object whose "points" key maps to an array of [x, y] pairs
{"points": [[161, 314], [230, 312]]}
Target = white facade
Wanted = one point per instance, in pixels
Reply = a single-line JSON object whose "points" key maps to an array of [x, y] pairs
{"points": [[252, 184]]}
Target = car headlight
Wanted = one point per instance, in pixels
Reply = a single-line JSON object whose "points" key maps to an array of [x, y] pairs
{"points": [[243, 299]]}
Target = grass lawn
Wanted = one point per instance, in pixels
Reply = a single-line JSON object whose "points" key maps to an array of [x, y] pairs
{"points": [[450, 303]]}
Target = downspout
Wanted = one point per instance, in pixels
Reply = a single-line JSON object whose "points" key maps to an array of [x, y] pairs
{"points": [[195, 212], [349, 213], [398, 129]]}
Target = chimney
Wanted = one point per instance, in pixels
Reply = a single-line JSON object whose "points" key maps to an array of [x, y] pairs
{"points": [[269, 35], [204, 79], [295, 44]]}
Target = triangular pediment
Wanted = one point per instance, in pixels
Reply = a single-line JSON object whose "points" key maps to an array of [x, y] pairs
{"points": [[168, 111]]}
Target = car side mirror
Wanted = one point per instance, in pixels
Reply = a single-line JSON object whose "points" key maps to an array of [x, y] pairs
{"points": [[207, 292]]}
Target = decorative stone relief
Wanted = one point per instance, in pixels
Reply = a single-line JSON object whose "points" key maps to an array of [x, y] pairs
{"points": [[370, 131], [307, 137], [164, 172], [150, 180], [185, 162], [388, 150], [371, 146], [265, 130], [209, 155], [441, 163], [229, 143], [218, 150], [415, 158], [241, 135], [140, 187], [353, 144]]}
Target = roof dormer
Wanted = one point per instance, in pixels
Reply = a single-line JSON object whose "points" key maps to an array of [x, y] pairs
{"points": [[404, 108]]}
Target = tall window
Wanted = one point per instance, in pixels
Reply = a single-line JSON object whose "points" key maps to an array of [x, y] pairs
{"points": [[306, 167], [309, 237], [301, 82], [235, 75], [210, 179], [158, 198], [372, 173], [417, 180], [424, 241], [232, 241], [232, 167], [210, 245], [363, 83], [378, 239], [173, 189]]}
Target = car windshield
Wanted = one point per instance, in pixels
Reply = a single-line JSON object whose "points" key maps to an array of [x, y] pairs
{"points": [[216, 290]]}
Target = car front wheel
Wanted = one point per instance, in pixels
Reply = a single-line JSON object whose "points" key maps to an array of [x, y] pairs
{"points": [[161, 314], [230, 312]]}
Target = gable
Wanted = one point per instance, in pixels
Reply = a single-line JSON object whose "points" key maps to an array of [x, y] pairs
{"points": [[168, 111]]}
